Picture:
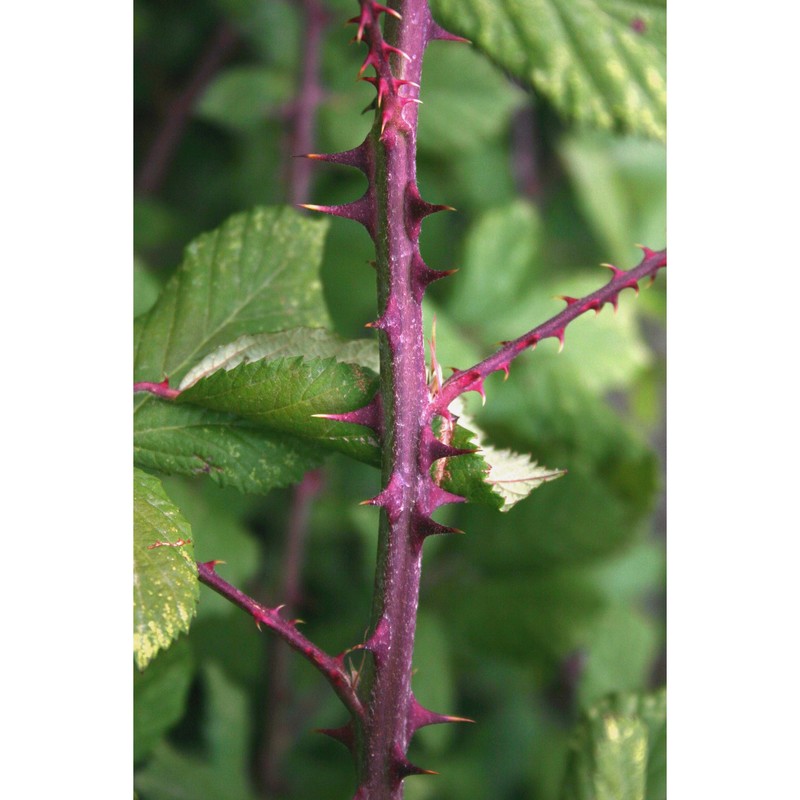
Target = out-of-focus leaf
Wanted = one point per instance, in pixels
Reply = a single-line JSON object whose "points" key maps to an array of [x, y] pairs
{"points": [[621, 187], [146, 287], [222, 774], [188, 440], [537, 621], [159, 696], [620, 654], [466, 102], [618, 751], [433, 679], [165, 588], [256, 273], [241, 97], [601, 62], [499, 250]]}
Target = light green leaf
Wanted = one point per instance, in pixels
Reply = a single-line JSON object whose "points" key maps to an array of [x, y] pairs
{"points": [[499, 250], [258, 272], [189, 440], [618, 750], [306, 342], [165, 576], [600, 62]]}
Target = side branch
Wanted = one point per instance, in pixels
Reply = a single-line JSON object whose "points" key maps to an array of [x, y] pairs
{"points": [[471, 380], [332, 668]]}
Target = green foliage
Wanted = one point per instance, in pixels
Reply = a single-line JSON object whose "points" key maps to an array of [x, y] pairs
{"points": [[535, 615], [601, 62], [165, 588], [618, 752]]}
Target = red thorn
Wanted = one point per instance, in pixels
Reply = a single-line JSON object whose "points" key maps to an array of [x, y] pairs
{"points": [[426, 526], [212, 565], [357, 157], [359, 211], [439, 497], [387, 48], [436, 31], [419, 716], [344, 734], [559, 334], [405, 768], [616, 270], [567, 299], [438, 449], [369, 415], [648, 253]]}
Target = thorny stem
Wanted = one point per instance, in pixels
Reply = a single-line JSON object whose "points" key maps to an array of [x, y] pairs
{"points": [[331, 667]]}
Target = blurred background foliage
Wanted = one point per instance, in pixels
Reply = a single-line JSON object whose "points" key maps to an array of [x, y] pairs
{"points": [[533, 616]]}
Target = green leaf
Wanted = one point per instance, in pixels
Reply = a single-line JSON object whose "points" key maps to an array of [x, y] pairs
{"points": [[499, 250], [434, 685], [159, 696], [620, 654], [509, 476], [188, 440], [601, 62], [241, 97], [621, 187], [306, 342], [165, 576], [618, 751], [258, 272], [466, 102]]}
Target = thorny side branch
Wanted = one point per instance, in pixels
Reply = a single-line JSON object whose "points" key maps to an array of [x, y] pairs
{"points": [[331, 667]]}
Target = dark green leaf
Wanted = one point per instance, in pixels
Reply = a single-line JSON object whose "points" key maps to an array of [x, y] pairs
{"points": [[188, 440], [165, 587], [170, 773], [602, 62], [159, 696]]}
